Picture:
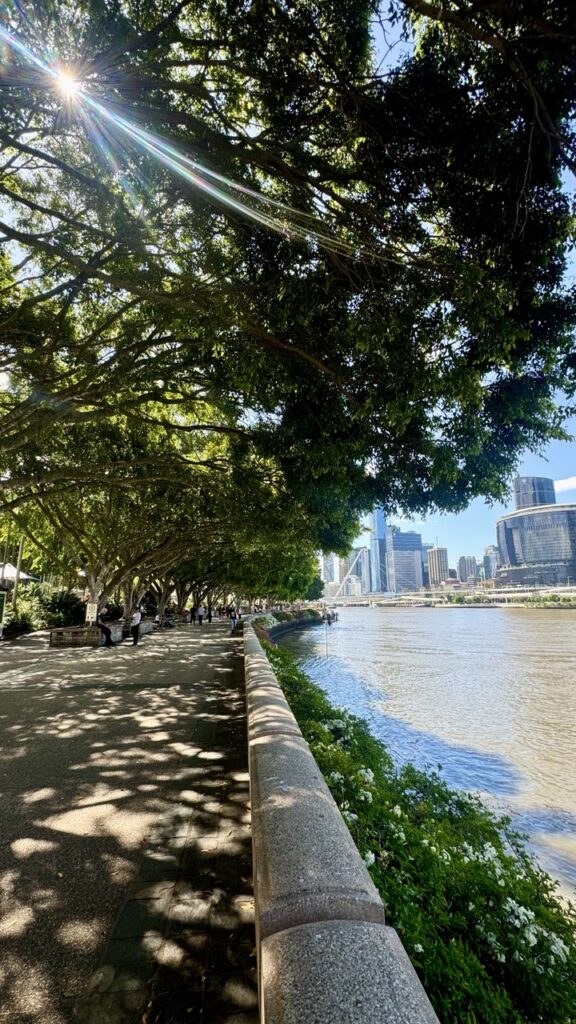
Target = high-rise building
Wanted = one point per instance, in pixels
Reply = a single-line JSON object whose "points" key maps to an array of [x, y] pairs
{"points": [[533, 490], [351, 587], [365, 574], [466, 568], [437, 565], [379, 579], [425, 573], [538, 544], [357, 565], [491, 561], [403, 560], [330, 568]]}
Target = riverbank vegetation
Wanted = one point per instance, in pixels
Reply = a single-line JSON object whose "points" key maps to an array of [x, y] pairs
{"points": [[554, 601], [480, 921]]}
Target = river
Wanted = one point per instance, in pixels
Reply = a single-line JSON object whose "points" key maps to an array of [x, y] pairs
{"points": [[487, 694]]}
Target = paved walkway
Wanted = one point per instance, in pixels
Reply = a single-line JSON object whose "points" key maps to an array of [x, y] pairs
{"points": [[125, 873]]}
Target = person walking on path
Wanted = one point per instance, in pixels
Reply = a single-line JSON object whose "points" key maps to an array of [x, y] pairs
{"points": [[102, 621], [200, 613], [233, 618], [193, 615], [135, 627]]}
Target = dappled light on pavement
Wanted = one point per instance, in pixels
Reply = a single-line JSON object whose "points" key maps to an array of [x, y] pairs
{"points": [[125, 872]]}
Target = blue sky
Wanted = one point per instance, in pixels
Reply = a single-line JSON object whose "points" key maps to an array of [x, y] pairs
{"points": [[469, 532]]}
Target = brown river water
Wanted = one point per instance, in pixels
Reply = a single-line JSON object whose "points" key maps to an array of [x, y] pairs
{"points": [[487, 694]]}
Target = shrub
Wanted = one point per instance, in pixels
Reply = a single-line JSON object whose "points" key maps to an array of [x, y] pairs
{"points": [[64, 608], [16, 625], [479, 919]]}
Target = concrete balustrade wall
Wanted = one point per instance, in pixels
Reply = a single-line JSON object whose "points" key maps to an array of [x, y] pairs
{"points": [[325, 953]]}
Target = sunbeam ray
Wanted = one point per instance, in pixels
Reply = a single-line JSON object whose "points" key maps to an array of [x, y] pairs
{"points": [[221, 190]]}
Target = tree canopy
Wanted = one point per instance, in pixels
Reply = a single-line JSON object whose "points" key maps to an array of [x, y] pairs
{"points": [[251, 235]]}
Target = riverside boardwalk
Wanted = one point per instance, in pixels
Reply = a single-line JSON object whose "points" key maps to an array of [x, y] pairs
{"points": [[125, 866]]}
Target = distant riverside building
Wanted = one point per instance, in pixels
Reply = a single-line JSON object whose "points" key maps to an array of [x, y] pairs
{"points": [[351, 587], [491, 561], [357, 566], [425, 573], [537, 544], [404, 560], [330, 568], [533, 490], [437, 565], [379, 530], [467, 568], [364, 571]]}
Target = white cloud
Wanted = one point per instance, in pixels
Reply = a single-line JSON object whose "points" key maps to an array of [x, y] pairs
{"points": [[569, 484]]}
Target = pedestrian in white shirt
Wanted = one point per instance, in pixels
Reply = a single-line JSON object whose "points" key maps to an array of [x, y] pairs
{"points": [[200, 613], [135, 627]]}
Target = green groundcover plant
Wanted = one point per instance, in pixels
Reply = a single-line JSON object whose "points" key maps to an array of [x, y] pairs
{"points": [[479, 919], [39, 607]]}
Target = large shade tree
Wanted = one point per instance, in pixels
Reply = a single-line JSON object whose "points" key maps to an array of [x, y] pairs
{"points": [[395, 330]]}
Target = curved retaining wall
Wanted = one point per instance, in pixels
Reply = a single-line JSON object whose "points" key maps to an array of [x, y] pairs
{"points": [[291, 625], [325, 953]]}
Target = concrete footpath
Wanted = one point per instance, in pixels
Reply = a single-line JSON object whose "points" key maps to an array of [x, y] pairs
{"points": [[125, 865]]}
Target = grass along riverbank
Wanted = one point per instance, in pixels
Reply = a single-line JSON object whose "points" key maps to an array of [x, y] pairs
{"points": [[480, 921]]}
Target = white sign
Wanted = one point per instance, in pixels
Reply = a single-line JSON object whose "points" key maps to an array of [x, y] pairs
{"points": [[91, 612]]}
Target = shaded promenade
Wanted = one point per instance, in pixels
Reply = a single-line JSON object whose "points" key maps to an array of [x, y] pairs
{"points": [[125, 874]]}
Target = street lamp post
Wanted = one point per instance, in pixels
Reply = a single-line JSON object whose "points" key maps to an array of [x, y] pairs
{"points": [[6, 550], [18, 568]]}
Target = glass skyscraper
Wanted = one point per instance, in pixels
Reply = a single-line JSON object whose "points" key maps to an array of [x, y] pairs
{"points": [[533, 490], [379, 576], [537, 543], [404, 560]]}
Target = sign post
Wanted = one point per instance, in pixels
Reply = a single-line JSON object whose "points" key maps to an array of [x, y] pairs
{"points": [[91, 612]]}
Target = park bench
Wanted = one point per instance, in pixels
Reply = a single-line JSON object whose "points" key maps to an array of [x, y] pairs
{"points": [[90, 636]]}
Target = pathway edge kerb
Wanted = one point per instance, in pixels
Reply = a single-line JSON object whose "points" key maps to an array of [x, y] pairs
{"points": [[308, 875]]}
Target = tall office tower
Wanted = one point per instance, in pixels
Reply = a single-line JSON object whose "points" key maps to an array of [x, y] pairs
{"points": [[379, 580], [330, 569], [356, 566], [467, 567], [425, 572], [492, 561], [437, 565], [364, 571], [533, 490], [403, 560]]}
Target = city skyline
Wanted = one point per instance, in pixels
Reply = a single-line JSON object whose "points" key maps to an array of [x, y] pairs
{"points": [[471, 531]]}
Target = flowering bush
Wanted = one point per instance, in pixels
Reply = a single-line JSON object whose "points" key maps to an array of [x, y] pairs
{"points": [[479, 919]]}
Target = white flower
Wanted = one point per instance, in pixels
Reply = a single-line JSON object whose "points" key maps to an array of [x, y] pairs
{"points": [[369, 858], [350, 817], [397, 811], [558, 948], [365, 795], [366, 775], [418, 948]]}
